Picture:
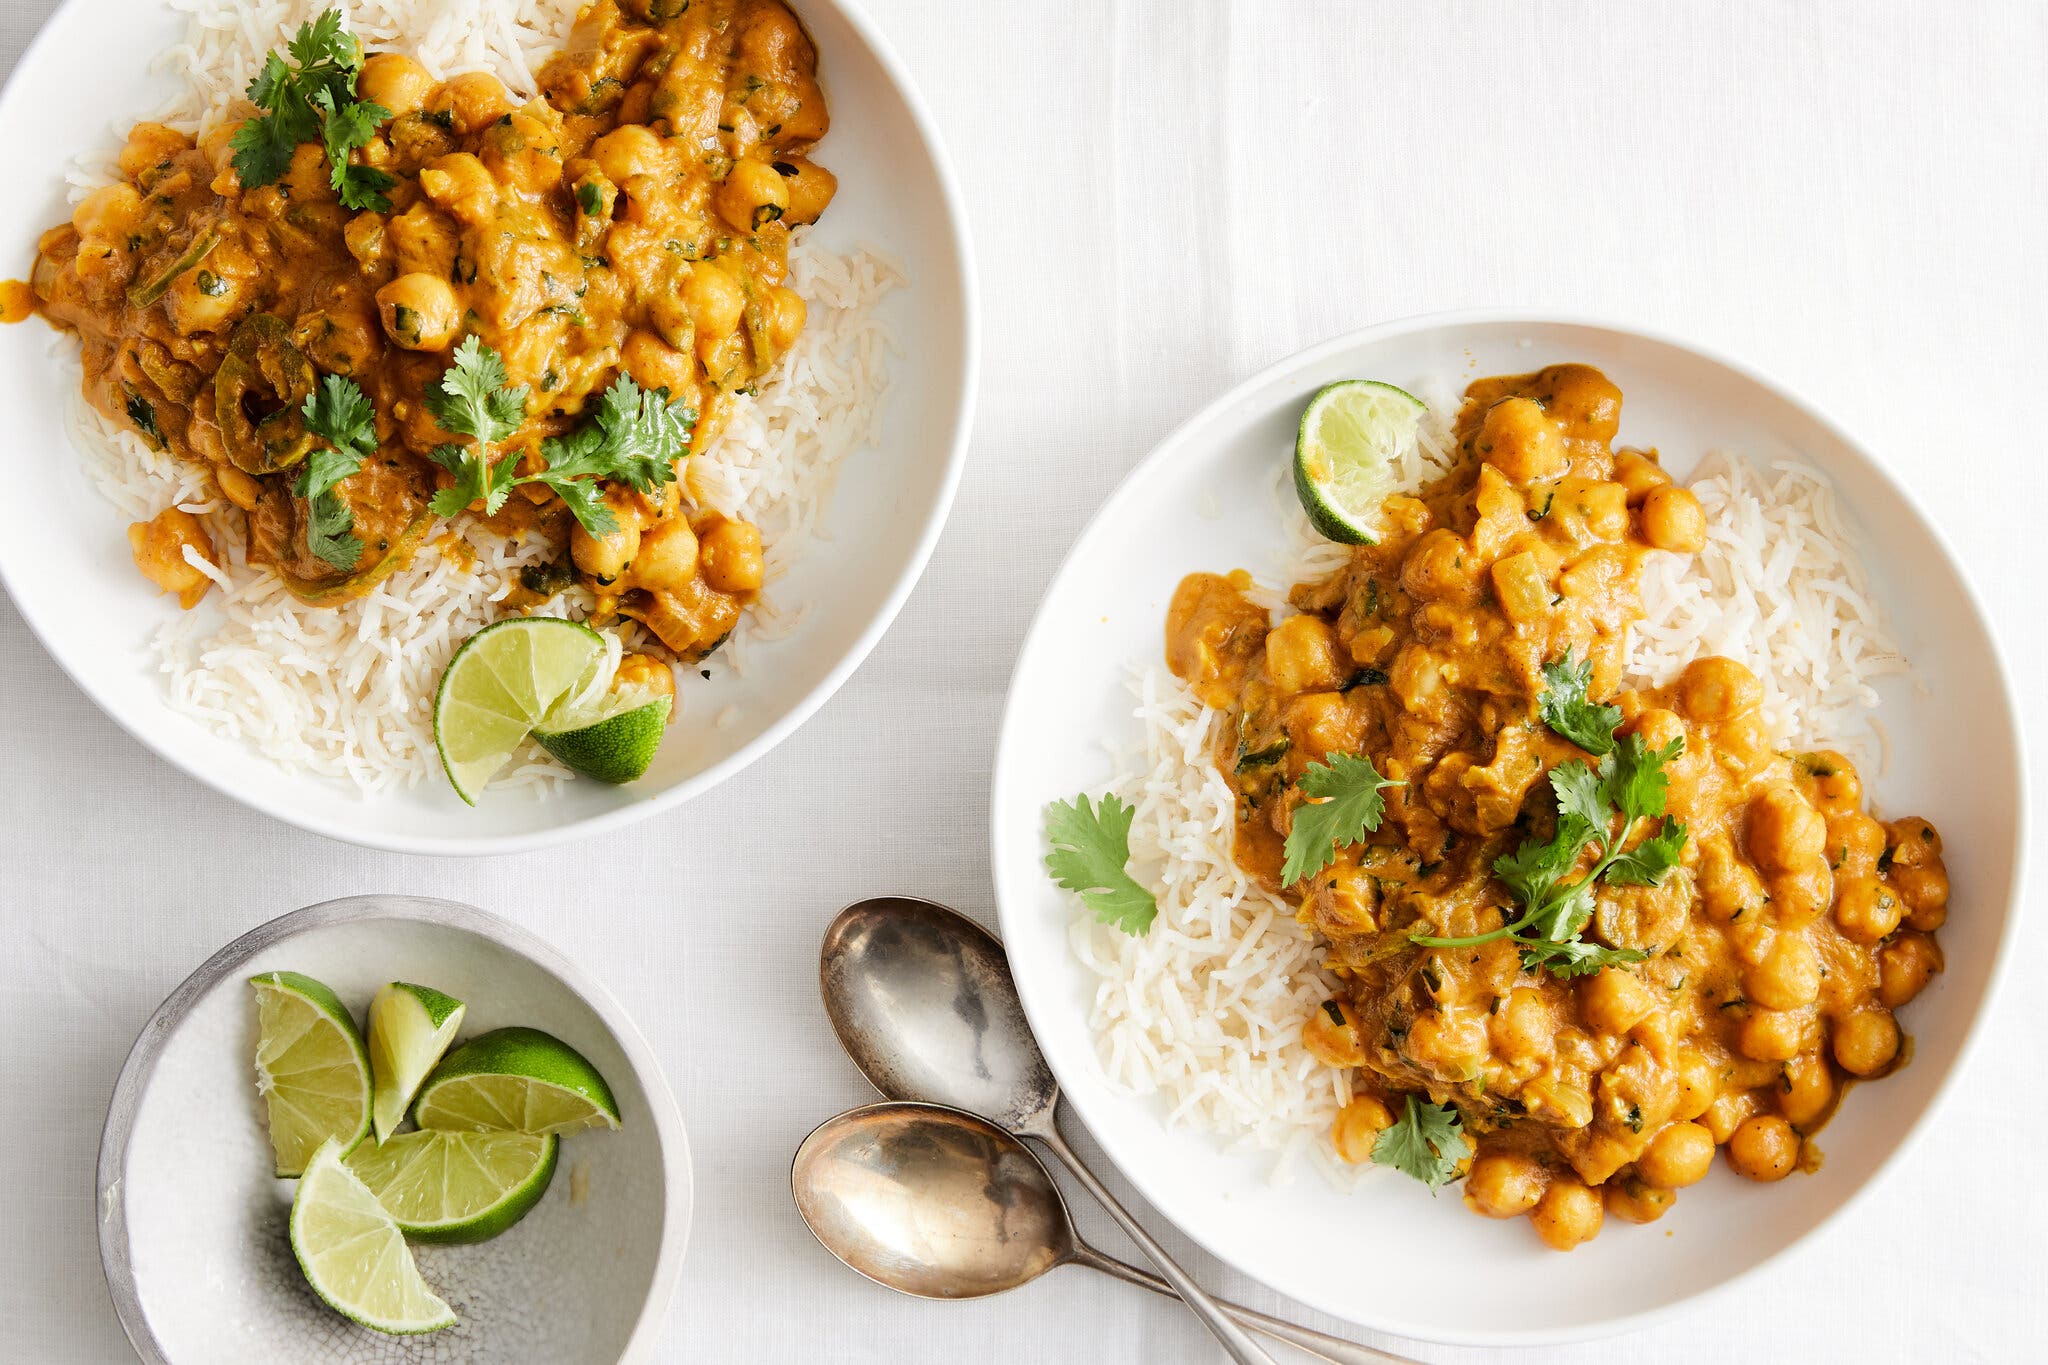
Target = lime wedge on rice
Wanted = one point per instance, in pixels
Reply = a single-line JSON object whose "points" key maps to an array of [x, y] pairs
{"points": [[516, 1080], [410, 1027], [498, 686], [311, 1069], [613, 738], [1350, 442], [457, 1187], [354, 1255]]}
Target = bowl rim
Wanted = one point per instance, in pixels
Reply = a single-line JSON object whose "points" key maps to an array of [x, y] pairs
{"points": [[678, 1178], [1004, 874], [806, 706]]}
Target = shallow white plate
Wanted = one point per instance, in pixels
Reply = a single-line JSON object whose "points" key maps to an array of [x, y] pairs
{"points": [[64, 554], [1389, 1256], [193, 1224]]}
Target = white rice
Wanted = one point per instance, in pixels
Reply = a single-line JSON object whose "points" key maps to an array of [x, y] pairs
{"points": [[1205, 1011], [346, 693]]}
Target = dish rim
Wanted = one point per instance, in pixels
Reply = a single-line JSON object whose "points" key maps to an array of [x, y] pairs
{"points": [[110, 1204], [1168, 448], [806, 706]]}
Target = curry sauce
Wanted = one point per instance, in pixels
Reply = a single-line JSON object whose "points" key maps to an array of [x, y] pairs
{"points": [[1771, 958]]}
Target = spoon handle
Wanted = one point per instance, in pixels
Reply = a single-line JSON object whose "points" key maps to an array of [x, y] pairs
{"points": [[1322, 1345], [1241, 1347]]}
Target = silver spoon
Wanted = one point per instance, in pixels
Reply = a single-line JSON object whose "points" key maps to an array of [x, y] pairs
{"points": [[923, 1002], [943, 1205]]}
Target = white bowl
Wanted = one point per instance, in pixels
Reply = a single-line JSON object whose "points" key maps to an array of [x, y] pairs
{"points": [[64, 554], [1385, 1255], [192, 1223]]}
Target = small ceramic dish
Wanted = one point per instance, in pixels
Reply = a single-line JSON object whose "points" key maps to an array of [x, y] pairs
{"points": [[193, 1225]]}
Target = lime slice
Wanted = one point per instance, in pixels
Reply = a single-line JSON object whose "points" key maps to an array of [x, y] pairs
{"points": [[354, 1255], [457, 1187], [516, 1080], [612, 739], [1345, 452], [311, 1069], [410, 1027], [498, 686]]}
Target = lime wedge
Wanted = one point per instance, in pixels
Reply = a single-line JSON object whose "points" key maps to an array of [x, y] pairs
{"points": [[311, 1069], [457, 1187], [612, 739], [410, 1027], [498, 686], [1345, 452], [516, 1080], [354, 1255]]}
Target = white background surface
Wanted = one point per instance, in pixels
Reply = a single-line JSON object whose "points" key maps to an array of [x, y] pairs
{"points": [[1166, 196]]}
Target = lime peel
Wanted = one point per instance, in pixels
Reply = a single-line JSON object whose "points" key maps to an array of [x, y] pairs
{"points": [[354, 1255], [1351, 440]]}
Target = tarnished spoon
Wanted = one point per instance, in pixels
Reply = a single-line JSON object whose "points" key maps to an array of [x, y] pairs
{"points": [[943, 1205], [923, 1002]]}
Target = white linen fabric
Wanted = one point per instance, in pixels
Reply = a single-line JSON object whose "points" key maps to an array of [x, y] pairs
{"points": [[1166, 196]]}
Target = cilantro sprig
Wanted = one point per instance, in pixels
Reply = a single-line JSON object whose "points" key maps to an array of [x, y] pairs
{"points": [[1598, 809], [312, 98], [1091, 850], [1427, 1141], [1564, 707], [339, 414], [635, 437], [1346, 806]]}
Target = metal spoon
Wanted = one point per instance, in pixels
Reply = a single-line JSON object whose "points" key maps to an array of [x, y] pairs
{"points": [[943, 1205], [923, 1002]]}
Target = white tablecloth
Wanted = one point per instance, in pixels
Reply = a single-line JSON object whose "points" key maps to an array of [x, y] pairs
{"points": [[1166, 196]]}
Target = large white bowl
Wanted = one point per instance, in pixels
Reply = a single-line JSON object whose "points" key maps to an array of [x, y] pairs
{"points": [[1389, 1256], [192, 1223], [64, 554]]}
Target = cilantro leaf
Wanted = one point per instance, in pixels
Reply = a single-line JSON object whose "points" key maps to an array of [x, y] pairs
{"points": [[1564, 707], [1648, 861], [344, 128], [1634, 775], [586, 503], [330, 530], [477, 479], [1348, 808], [1581, 795], [311, 98], [473, 398], [1575, 957], [1091, 847], [339, 414], [637, 436], [1427, 1141]]}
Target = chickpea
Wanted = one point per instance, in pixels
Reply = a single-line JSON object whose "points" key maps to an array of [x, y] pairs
{"points": [[715, 301], [395, 81], [646, 671], [1567, 1214], [1699, 1084], [1449, 1040], [1331, 1035], [1714, 689], [1867, 910], [1833, 781], [1635, 1200], [159, 546], [1803, 896], [1913, 842], [461, 184], [1518, 438], [1806, 1090], [1672, 520], [1785, 833], [731, 559], [1860, 841], [1729, 887], [605, 560], [476, 100], [1358, 1126], [629, 151], [1441, 567], [1659, 728], [1924, 889], [150, 145], [810, 188], [654, 364], [1678, 1156], [667, 561], [1764, 1148], [1772, 1035], [1504, 1185], [1639, 472], [1302, 655], [1523, 1028], [109, 215], [420, 312], [784, 314], [1866, 1042], [237, 487], [341, 340], [1725, 1115], [1905, 966], [1613, 1001], [752, 195], [1789, 975], [309, 180]]}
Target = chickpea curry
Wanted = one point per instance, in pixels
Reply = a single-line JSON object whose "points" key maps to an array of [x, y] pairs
{"points": [[1594, 941], [631, 223]]}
